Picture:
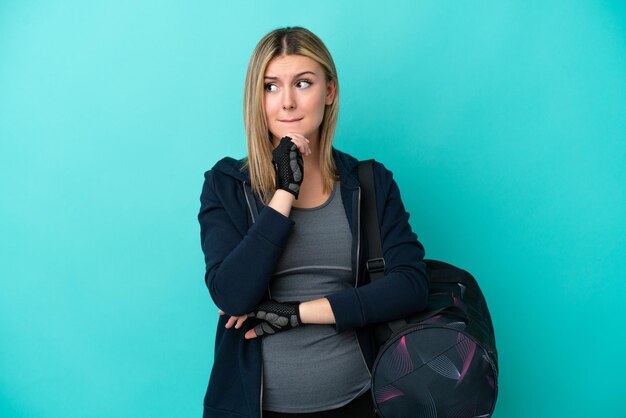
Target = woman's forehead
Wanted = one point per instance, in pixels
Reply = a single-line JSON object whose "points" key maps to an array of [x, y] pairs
{"points": [[289, 66]]}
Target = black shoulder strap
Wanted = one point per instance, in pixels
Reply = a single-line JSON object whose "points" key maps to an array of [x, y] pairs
{"points": [[376, 261]]}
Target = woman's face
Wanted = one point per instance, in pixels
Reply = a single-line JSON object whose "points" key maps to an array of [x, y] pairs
{"points": [[295, 94]]}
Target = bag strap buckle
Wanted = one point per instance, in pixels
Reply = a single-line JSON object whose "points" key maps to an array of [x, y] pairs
{"points": [[376, 265]]}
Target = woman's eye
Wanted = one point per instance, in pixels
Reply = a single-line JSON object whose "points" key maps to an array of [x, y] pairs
{"points": [[270, 87], [307, 83]]}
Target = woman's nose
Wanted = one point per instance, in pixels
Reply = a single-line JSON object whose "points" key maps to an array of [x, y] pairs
{"points": [[288, 100]]}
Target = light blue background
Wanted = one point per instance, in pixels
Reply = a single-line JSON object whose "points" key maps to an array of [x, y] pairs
{"points": [[504, 123]]}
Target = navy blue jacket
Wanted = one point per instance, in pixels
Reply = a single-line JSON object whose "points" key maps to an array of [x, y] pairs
{"points": [[241, 256]]}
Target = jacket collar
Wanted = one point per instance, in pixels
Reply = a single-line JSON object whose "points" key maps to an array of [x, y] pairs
{"points": [[233, 168], [347, 167]]}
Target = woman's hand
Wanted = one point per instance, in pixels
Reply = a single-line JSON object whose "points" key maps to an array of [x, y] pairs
{"points": [[288, 163], [237, 321], [275, 316], [301, 142]]}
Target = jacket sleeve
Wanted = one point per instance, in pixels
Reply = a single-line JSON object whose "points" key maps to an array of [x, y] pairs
{"points": [[239, 265], [404, 288]]}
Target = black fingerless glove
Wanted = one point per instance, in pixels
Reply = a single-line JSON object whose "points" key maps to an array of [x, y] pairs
{"points": [[276, 316], [289, 166]]}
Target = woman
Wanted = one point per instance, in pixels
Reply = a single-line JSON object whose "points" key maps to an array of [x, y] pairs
{"points": [[294, 335]]}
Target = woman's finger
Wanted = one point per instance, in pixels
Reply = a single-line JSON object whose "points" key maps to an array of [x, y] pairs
{"points": [[295, 135], [304, 148], [301, 142], [230, 322], [221, 312], [250, 334], [240, 321]]}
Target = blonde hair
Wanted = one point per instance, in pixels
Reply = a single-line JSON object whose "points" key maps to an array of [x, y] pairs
{"points": [[280, 42]]}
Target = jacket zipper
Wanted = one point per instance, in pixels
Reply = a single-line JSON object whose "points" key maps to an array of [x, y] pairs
{"points": [[261, 394], [245, 193], [358, 237], [356, 282]]}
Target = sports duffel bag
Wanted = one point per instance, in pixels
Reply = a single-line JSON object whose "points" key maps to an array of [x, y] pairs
{"points": [[440, 362]]}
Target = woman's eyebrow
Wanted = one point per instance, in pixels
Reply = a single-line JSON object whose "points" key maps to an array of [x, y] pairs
{"points": [[295, 76]]}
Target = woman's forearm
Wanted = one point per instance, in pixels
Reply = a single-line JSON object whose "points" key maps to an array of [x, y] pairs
{"points": [[317, 311], [281, 202]]}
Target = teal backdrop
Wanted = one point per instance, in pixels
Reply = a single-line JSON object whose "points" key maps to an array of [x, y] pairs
{"points": [[503, 122]]}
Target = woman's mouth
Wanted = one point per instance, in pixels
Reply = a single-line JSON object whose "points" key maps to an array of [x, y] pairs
{"points": [[290, 120]]}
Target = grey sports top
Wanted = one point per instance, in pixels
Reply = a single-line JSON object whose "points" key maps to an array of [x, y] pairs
{"points": [[312, 368]]}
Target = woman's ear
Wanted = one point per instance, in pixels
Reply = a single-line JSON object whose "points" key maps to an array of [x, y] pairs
{"points": [[330, 92]]}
